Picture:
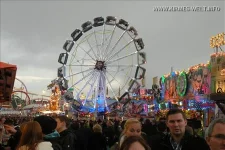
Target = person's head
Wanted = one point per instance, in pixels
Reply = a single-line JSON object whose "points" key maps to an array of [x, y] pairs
{"points": [[134, 143], [161, 126], [132, 127], [109, 123], [216, 134], [176, 121], [62, 123], [22, 126], [2, 120], [97, 128], [48, 124], [9, 122], [31, 135], [189, 130]]}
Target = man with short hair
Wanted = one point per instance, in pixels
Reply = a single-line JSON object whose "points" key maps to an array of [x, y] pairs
{"points": [[215, 135], [68, 139], [177, 138]]}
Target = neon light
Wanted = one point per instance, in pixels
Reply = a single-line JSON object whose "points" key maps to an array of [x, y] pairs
{"points": [[182, 78]]}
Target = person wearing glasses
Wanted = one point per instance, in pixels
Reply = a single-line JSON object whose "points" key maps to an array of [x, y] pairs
{"points": [[215, 135]]}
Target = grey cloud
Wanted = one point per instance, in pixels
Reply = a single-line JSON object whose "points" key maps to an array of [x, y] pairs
{"points": [[38, 30]]}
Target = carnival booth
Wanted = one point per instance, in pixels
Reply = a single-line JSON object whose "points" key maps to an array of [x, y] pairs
{"points": [[7, 78], [188, 90], [217, 60]]}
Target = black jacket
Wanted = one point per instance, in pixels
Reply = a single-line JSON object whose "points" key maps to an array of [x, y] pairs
{"points": [[188, 142], [68, 140], [97, 142]]}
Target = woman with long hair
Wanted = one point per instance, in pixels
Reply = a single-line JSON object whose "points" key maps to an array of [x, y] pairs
{"points": [[32, 138], [133, 143]]}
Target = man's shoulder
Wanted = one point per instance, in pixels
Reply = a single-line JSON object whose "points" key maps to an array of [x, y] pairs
{"points": [[196, 142], [195, 138]]}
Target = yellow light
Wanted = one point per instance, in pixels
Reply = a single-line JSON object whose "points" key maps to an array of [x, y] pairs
{"points": [[217, 41]]}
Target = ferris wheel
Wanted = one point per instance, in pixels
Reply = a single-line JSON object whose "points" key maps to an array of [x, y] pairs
{"points": [[103, 59]]}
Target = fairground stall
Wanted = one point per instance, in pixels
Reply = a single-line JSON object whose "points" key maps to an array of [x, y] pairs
{"points": [[190, 90], [218, 74]]}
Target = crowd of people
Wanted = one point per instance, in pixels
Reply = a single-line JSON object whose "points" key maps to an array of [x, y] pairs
{"points": [[61, 133]]}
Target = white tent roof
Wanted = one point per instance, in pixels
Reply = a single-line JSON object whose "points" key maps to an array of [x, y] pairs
{"points": [[33, 106], [10, 112]]}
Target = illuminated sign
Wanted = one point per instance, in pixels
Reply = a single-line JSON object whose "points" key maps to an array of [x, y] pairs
{"points": [[222, 73], [217, 41]]}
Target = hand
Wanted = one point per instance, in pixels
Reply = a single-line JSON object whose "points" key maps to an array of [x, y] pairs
{"points": [[10, 129]]}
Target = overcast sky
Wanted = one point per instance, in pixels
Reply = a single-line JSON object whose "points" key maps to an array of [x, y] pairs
{"points": [[33, 33]]}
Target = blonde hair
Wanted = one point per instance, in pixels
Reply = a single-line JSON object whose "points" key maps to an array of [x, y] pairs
{"points": [[130, 122], [97, 128]]}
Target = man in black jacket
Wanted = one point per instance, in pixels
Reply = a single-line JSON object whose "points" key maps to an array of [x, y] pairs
{"points": [[68, 139], [177, 138]]}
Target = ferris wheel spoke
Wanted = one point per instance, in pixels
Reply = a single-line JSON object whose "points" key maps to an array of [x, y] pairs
{"points": [[113, 78], [103, 35], [121, 65], [121, 69], [109, 62], [92, 87], [110, 40], [123, 74], [108, 54], [102, 51], [91, 77], [81, 65], [82, 78], [88, 61], [113, 55], [79, 72], [103, 39], [87, 52], [110, 86], [91, 48], [98, 51], [126, 75]]}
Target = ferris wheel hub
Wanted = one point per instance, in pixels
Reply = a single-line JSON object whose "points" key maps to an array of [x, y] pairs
{"points": [[100, 65]]}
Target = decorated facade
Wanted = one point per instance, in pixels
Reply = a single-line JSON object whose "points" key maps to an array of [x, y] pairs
{"points": [[190, 89]]}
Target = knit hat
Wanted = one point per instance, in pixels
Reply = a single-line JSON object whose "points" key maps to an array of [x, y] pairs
{"points": [[48, 124]]}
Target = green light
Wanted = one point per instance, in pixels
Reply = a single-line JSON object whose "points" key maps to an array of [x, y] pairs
{"points": [[163, 79], [182, 77]]}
